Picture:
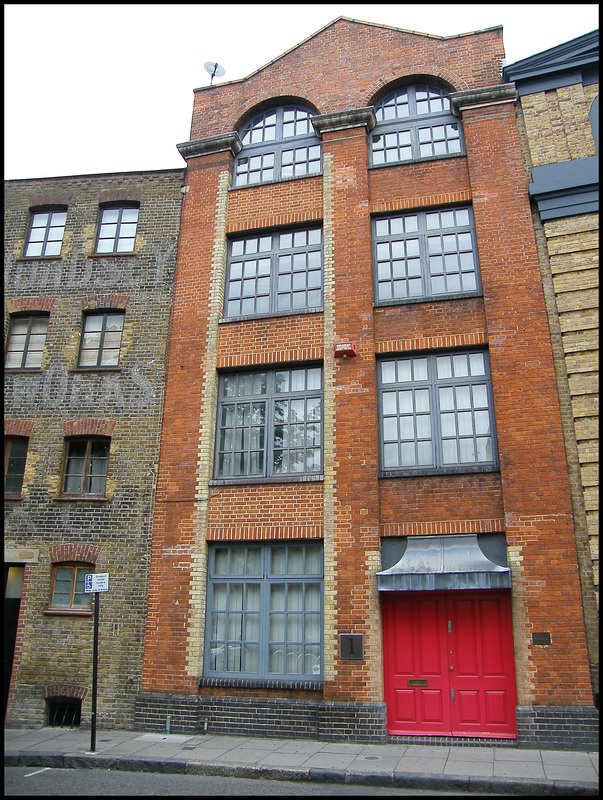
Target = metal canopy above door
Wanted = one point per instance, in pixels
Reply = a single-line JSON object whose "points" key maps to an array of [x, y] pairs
{"points": [[440, 563]]}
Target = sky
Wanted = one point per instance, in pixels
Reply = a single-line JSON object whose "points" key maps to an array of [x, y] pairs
{"points": [[95, 88]]}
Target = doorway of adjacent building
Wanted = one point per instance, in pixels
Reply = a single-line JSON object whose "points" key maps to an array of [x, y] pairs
{"points": [[449, 665], [13, 584]]}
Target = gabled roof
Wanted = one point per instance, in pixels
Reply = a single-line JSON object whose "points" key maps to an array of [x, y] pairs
{"points": [[576, 56], [347, 20]]}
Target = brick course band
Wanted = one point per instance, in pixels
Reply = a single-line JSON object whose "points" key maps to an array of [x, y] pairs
{"points": [[438, 527], [558, 727], [303, 719]]}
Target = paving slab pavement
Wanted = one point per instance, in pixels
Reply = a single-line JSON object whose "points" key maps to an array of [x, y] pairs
{"points": [[503, 770]]}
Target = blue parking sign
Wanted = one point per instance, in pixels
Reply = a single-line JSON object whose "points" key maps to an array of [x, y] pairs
{"points": [[96, 582]]}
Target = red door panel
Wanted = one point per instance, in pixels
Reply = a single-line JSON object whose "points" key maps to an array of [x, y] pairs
{"points": [[481, 657], [415, 654], [449, 668]]}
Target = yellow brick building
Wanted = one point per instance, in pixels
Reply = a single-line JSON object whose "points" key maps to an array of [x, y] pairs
{"points": [[558, 97]]}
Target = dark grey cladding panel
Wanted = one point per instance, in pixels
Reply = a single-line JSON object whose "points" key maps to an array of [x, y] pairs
{"points": [[431, 563], [566, 188]]}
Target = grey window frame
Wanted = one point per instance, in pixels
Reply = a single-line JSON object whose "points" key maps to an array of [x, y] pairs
{"points": [[248, 622], [426, 412], [251, 426], [270, 153], [417, 265], [264, 284], [32, 337], [91, 462], [103, 334], [51, 228], [405, 132], [117, 238], [11, 461]]}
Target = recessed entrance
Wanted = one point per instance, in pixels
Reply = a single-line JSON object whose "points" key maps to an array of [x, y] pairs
{"points": [[449, 666]]}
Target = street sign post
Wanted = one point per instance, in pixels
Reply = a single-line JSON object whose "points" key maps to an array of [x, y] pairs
{"points": [[95, 583]]}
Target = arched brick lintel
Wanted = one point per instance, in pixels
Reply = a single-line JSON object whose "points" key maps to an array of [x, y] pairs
{"points": [[81, 552], [89, 427], [64, 690]]}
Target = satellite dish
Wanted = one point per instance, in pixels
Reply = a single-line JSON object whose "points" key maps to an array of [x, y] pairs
{"points": [[214, 69]]}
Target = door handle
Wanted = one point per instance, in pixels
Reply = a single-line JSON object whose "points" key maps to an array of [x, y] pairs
{"points": [[452, 695]]}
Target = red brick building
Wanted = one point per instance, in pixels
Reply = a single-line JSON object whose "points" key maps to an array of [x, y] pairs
{"points": [[363, 523]]}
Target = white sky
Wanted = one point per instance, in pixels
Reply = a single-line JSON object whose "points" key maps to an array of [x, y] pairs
{"points": [[95, 88]]}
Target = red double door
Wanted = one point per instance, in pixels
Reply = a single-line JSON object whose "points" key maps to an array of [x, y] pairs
{"points": [[448, 661]]}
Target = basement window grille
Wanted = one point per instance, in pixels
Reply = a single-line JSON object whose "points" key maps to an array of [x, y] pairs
{"points": [[64, 712]]}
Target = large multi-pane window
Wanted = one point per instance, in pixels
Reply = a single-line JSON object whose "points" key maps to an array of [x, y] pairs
{"points": [[425, 255], [85, 472], [101, 340], [412, 123], [277, 144], [117, 230], [15, 455], [274, 273], [270, 423], [25, 344], [68, 587], [46, 233], [265, 611], [436, 413]]}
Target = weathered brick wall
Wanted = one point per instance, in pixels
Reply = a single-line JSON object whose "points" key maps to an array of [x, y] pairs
{"points": [[556, 128], [557, 124], [573, 251], [56, 649]]}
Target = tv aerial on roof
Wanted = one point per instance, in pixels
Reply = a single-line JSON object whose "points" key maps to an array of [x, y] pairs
{"points": [[214, 69]]}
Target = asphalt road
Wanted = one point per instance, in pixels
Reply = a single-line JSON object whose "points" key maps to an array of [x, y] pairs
{"points": [[48, 782]]}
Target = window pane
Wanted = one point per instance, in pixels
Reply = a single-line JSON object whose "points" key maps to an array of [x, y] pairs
{"points": [[25, 343], [15, 454], [463, 423], [260, 144], [278, 561], [294, 424]]}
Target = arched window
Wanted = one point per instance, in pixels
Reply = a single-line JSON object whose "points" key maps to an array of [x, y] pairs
{"points": [[279, 143], [413, 123]]}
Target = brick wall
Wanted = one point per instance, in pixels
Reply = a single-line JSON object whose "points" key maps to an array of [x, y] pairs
{"points": [[528, 498], [59, 401], [556, 128]]}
